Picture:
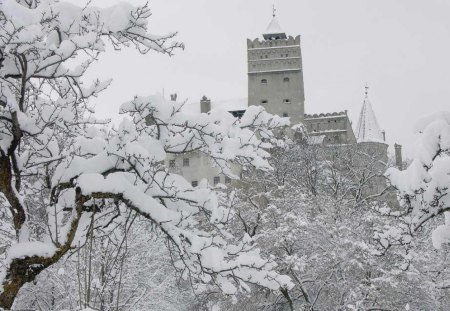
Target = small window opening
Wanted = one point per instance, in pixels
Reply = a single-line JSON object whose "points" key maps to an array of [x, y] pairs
{"points": [[264, 81], [285, 115], [194, 183], [227, 180], [216, 180], [171, 163], [186, 162], [264, 102], [287, 101], [286, 79]]}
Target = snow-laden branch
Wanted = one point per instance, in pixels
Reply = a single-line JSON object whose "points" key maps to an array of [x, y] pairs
{"points": [[424, 187]]}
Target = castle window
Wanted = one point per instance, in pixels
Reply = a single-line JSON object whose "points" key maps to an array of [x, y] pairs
{"points": [[287, 101], [264, 81], [286, 79], [264, 102], [227, 180], [285, 115], [216, 180], [186, 162], [171, 163], [194, 183]]}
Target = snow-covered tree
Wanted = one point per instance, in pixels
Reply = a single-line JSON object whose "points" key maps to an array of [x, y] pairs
{"points": [[424, 187], [62, 171], [318, 214]]}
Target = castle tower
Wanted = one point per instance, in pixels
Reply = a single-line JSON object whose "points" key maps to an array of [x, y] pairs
{"points": [[275, 76]]}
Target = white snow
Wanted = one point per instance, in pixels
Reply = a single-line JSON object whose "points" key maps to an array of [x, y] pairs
{"points": [[441, 234], [25, 249]]}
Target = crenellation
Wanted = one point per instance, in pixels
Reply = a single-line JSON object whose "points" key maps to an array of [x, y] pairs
{"points": [[258, 43], [324, 115]]}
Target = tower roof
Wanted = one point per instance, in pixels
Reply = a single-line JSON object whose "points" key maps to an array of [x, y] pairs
{"points": [[368, 129], [274, 30]]}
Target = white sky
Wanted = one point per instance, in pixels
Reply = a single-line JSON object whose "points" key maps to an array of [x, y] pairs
{"points": [[401, 48]]}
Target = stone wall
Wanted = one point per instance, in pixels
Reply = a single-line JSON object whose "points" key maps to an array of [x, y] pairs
{"points": [[336, 127]]}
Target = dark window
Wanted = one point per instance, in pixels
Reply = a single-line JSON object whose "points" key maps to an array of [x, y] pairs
{"points": [[285, 114], [264, 102], [194, 183], [287, 101], [216, 180], [227, 180], [171, 163], [286, 79], [264, 81], [186, 162]]}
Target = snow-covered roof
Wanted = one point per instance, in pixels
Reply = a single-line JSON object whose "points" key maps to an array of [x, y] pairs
{"points": [[228, 105], [368, 129], [274, 30]]}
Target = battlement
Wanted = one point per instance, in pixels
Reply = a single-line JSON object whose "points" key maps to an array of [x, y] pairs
{"points": [[264, 44], [326, 115]]}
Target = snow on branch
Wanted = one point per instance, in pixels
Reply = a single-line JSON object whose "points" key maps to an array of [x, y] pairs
{"points": [[424, 187]]}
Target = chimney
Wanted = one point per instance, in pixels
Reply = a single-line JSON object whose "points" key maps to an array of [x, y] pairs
{"points": [[398, 156], [205, 105], [384, 139]]}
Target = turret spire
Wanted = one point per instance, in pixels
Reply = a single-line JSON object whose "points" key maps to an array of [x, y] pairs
{"points": [[274, 31], [368, 129]]}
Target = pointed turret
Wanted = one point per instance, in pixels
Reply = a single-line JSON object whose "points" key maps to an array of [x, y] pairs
{"points": [[368, 129], [274, 31]]}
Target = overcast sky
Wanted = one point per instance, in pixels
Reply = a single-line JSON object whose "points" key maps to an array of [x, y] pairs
{"points": [[401, 48]]}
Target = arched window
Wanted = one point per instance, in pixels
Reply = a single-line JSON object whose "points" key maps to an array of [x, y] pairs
{"points": [[286, 79], [264, 81]]}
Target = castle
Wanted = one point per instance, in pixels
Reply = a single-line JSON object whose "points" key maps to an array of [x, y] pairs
{"points": [[275, 81]]}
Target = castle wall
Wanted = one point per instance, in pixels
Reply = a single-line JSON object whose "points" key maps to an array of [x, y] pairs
{"points": [[336, 127]]}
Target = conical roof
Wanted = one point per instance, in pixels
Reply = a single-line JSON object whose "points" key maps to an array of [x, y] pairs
{"points": [[368, 129], [274, 30]]}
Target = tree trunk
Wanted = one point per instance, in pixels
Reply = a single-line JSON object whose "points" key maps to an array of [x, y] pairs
{"points": [[21, 271]]}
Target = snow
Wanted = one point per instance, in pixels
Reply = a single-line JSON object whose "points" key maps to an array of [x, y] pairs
{"points": [[441, 234], [426, 180], [124, 166], [368, 129], [28, 249]]}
